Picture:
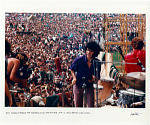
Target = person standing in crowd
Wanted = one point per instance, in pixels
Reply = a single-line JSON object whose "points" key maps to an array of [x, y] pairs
{"points": [[7, 92], [137, 56], [82, 71]]}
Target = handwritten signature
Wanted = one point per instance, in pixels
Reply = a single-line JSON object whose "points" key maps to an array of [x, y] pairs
{"points": [[135, 114]]}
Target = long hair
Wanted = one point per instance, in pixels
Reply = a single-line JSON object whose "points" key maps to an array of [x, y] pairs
{"points": [[7, 47], [22, 57]]}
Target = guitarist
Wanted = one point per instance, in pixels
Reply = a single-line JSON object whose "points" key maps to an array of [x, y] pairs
{"points": [[137, 56]]}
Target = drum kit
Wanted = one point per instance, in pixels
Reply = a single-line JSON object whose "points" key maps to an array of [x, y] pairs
{"points": [[133, 97]]}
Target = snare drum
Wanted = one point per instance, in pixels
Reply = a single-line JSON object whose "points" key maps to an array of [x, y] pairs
{"points": [[127, 97], [107, 84]]}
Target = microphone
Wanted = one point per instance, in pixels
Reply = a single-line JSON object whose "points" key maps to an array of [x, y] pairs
{"points": [[58, 65]]}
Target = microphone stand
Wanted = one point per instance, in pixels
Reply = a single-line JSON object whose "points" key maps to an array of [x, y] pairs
{"points": [[84, 92], [98, 61], [63, 94], [96, 82]]}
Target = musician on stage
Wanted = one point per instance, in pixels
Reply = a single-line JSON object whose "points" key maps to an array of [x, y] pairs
{"points": [[14, 63], [82, 67], [7, 92], [137, 56]]}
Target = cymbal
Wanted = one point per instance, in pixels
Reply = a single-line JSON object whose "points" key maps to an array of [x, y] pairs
{"points": [[138, 75], [137, 83]]}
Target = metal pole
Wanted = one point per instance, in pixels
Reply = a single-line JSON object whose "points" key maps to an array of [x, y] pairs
{"points": [[96, 84], [84, 92], [116, 62], [63, 95]]}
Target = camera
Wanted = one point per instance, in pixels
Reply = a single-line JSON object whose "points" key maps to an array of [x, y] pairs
{"points": [[24, 72]]}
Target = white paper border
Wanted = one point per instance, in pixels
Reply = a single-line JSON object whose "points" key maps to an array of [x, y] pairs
{"points": [[97, 115]]}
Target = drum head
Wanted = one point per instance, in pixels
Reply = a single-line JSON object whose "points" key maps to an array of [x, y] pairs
{"points": [[132, 92], [137, 92], [138, 75]]}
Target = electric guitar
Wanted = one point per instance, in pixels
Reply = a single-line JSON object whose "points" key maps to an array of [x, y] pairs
{"points": [[120, 52]]}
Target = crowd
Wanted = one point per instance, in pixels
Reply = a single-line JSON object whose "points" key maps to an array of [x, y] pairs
{"points": [[45, 36]]}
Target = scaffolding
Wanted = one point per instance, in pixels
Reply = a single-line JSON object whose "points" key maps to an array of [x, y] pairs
{"points": [[119, 30]]}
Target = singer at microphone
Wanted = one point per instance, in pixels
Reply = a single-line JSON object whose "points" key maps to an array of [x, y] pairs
{"points": [[137, 56], [83, 67]]}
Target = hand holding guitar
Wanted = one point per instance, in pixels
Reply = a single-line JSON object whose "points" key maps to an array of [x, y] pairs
{"points": [[120, 51]]}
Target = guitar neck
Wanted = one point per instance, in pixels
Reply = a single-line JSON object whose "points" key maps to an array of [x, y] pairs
{"points": [[122, 56], [120, 52]]}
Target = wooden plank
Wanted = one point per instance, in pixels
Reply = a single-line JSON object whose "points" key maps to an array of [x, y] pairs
{"points": [[120, 43]]}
